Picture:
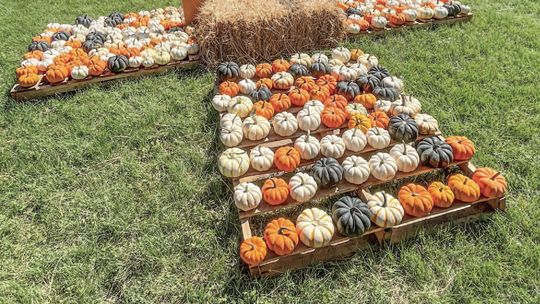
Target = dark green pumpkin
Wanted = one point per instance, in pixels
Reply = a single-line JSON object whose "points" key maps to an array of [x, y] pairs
{"points": [[368, 82], [118, 63], [453, 9], [349, 89], [96, 36], [403, 128], [117, 16], [228, 70], [298, 70], [379, 71], [38, 46], [434, 152], [319, 67], [353, 11], [60, 36], [351, 216], [386, 93], [262, 93], [327, 172], [89, 45], [112, 22], [84, 20]]}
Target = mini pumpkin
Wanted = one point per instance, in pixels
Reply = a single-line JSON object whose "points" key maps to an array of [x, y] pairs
{"points": [[355, 140], [355, 108], [230, 119], [233, 162], [427, 125], [462, 147], [275, 191], [280, 65], [253, 251], [386, 209], [320, 68], [341, 53], [333, 117], [299, 70], [282, 80], [281, 102], [327, 172], [261, 158], [327, 81], [306, 83], [247, 71], [247, 86], [315, 228], [263, 108], [308, 146], [263, 70], [492, 184], [298, 97], [441, 194], [416, 200], [406, 105], [255, 127], [332, 146], [336, 101], [382, 166], [280, 236], [406, 157], [261, 93], [403, 128], [464, 188], [355, 169], [314, 105], [231, 135], [57, 73], [221, 102], [359, 121], [379, 119], [351, 215], [319, 93], [349, 89], [28, 80], [118, 63], [240, 105], [435, 152], [228, 70], [285, 124], [229, 88], [287, 159], [301, 58], [302, 187], [308, 119], [79, 72], [378, 138], [247, 196]]}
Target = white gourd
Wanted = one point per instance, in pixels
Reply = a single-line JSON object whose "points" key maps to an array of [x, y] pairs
{"points": [[308, 119], [355, 169], [221, 102], [255, 127], [247, 71], [427, 125], [393, 82], [261, 158], [240, 105], [355, 140], [332, 146], [382, 166], [233, 162], [308, 146], [231, 135], [315, 228], [406, 157], [386, 210], [285, 124], [303, 187], [246, 86], [378, 138], [79, 72], [247, 196]]}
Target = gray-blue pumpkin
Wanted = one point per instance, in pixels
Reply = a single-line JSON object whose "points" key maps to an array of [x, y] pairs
{"points": [[327, 172], [351, 216], [403, 128]]}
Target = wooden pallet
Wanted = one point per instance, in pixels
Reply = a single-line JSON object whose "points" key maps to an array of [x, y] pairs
{"points": [[413, 25], [43, 89], [342, 247]]}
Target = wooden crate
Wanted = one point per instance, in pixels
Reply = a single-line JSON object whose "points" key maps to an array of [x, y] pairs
{"points": [[43, 89]]}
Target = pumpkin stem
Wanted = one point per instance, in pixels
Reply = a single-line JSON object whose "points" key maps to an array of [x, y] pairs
{"points": [[273, 183], [281, 229], [404, 147], [496, 175], [465, 181], [385, 202]]}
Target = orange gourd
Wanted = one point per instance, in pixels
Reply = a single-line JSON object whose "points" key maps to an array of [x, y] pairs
{"points": [[319, 93], [253, 251], [336, 101], [78, 53], [379, 119], [280, 65], [298, 97], [62, 59], [229, 88], [264, 108], [441, 194], [267, 82], [280, 102], [263, 70], [333, 117], [329, 82], [96, 66], [56, 73], [359, 121], [28, 80], [462, 147], [305, 82], [464, 188], [275, 191], [31, 69], [492, 184], [416, 200], [280, 236], [37, 54], [397, 19], [287, 159], [74, 43], [367, 100]]}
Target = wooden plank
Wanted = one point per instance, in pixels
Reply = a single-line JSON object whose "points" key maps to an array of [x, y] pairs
{"points": [[246, 229], [19, 93]]}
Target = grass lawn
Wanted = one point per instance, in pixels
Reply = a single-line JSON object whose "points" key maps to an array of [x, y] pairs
{"points": [[112, 194]]}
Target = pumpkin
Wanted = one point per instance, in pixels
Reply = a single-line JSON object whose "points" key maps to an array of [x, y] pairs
{"points": [[354, 139], [308, 119], [427, 125], [263, 108], [281, 102], [229, 88], [282, 80], [492, 184], [368, 60], [247, 71], [386, 210], [287, 159], [406, 105], [34, 55], [332, 146], [464, 188], [355, 53], [379, 119], [280, 236], [263, 70], [298, 97], [305, 82], [452, 9], [354, 109], [255, 127], [285, 124], [416, 200], [382, 166], [261, 158], [280, 65], [327, 81], [302, 187], [261, 93], [349, 89], [56, 73], [379, 22], [378, 138], [319, 57], [397, 19], [228, 70], [233, 162], [315, 228], [84, 20], [410, 15], [394, 83], [38, 46], [327, 172], [359, 121], [31, 69], [336, 101], [386, 93], [118, 63], [221, 102], [314, 105], [253, 251], [355, 169], [275, 191], [247, 86], [441, 194], [435, 152], [230, 119], [333, 117], [359, 69], [301, 58], [440, 12], [308, 146], [382, 105], [367, 100], [231, 135], [403, 128], [344, 73], [299, 70], [28, 80], [179, 53], [406, 157], [240, 105], [367, 83], [462, 147], [424, 13], [247, 196], [79, 72], [319, 93], [341, 53], [320, 68], [351, 215]]}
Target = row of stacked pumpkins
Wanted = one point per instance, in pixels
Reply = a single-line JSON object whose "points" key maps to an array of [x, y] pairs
{"points": [[327, 172], [111, 44], [364, 15], [350, 216]]}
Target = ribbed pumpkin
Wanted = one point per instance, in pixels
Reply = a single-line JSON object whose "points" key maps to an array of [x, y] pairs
{"points": [[280, 236], [319, 93], [28, 80], [492, 183], [462, 147], [281, 102], [333, 117], [435, 152], [359, 121], [263, 70], [57, 73], [464, 188], [287, 159], [264, 109], [280, 65], [351, 216], [367, 100], [298, 97], [96, 66], [265, 82], [253, 251], [416, 200], [387, 211], [327, 81], [442, 195], [305, 82], [327, 172], [379, 119], [275, 191], [336, 101], [229, 88]]}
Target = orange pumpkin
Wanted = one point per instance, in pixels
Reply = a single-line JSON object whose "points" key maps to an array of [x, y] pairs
{"points": [[319, 93], [47, 39], [78, 53], [287, 159], [229, 88], [333, 117], [305, 82], [37, 54], [280, 236], [336, 101], [57, 73], [28, 80], [96, 66], [264, 108], [397, 19], [492, 184], [280, 102], [464, 188], [119, 51], [367, 100], [275, 191], [74, 43], [62, 59], [329, 82], [442, 195], [263, 70], [298, 97], [280, 65], [253, 251], [359, 121], [31, 69], [267, 82], [415, 199], [363, 24], [133, 51], [379, 119], [462, 147]]}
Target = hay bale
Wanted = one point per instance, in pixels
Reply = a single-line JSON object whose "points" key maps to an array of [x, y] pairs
{"points": [[263, 30]]}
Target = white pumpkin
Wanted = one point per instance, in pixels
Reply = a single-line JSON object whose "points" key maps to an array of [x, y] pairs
{"points": [[193, 48], [135, 61], [44, 64], [427, 125], [179, 53], [406, 157], [282, 80], [255, 127], [162, 57], [29, 62], [355, 169], [221, 102], [353, 27], [240, 105], [354, 139], [359, 68], [301, 58], [308, 146], [343, 73], [332, 146], [314, 104], [231, 135], [308, 119], [424, 13], [230, 119], [379, 22], [319, 57], [393, 82], [332, 63], [465, 9], [261, 158], [383, 105], [303, 187], [356, 108], [247, 86], [406, 105], [382, 166], [285, 124], [386, 210], [341, 53], [247, 196], [410, 15], [247, 71], [148, 62], [368, 60], [315, 228], [440, 12], [378, 138], [79, 72], [233, 162]]}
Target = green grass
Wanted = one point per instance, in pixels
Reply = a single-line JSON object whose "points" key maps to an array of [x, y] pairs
{"points": [[112, 194]]}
